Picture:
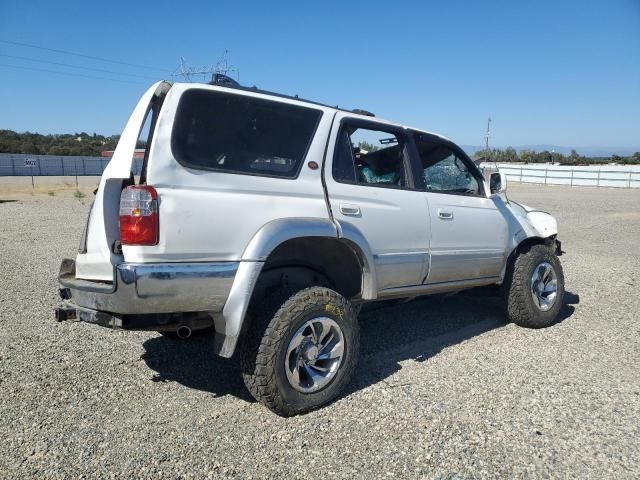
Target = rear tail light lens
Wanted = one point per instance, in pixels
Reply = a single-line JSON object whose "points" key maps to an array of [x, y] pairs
{"points": [[139, 215]]}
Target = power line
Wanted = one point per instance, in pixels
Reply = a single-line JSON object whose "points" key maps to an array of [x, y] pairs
{"points": [[69, 73], [18, 57], [66, 52]]}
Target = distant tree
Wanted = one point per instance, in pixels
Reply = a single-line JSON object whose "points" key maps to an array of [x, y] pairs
{"points": [[59, 150], [632, 160], [527, 156], [58, 144], [478, 155], [544, 157], [574, 157], [28, 146], [616, 159], [557, 157], [510, 155], [369, 147]]}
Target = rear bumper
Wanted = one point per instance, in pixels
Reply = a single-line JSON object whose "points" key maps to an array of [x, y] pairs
{"points": [[152, 296], [152, 288]]}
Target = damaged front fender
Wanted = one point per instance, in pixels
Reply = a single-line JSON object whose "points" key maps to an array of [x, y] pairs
{"points": [[532, 222]]}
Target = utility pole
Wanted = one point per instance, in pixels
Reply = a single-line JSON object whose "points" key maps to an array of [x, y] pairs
{"points": [[486, 140]]}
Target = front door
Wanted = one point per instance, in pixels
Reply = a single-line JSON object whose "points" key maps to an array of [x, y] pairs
{"points": [[370, 186], [469, 236]]}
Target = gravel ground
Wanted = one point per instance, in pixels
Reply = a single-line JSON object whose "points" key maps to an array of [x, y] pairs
{"points": [[446, 389]]}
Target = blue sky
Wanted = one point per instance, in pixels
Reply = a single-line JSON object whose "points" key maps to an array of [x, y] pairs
{"points": [[555, 72]]}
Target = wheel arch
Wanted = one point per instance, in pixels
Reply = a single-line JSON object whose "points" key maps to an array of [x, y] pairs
{"points": [[289, 235], [527, 243], [293, 241]]}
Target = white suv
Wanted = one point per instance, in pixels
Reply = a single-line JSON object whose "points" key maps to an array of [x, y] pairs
{"points": [[269, 220]]}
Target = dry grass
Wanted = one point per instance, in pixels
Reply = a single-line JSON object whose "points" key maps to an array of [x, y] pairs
{"points": [[20, 187]]}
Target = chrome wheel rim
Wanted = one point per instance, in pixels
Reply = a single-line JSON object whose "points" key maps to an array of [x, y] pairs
{"points": [[544, 286], [314, 355]]}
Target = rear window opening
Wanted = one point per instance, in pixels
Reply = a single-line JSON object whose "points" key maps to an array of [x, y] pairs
{"points": [[241, 134]]}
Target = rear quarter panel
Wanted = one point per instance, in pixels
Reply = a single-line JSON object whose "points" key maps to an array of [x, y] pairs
{"points": [[212, 216]]}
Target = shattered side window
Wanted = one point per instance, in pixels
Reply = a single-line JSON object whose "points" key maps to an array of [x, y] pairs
{"points": [[444, 171]]}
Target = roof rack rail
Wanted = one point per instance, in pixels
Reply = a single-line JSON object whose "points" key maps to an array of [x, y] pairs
{"points": [[360, 111], [222, 80]]}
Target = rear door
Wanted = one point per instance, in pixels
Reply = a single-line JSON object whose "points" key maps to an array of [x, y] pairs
{"points": [[98, 250], [369, 184], [469, 235]]}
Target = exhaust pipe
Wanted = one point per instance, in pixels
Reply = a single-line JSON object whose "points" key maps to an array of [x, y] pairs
{"points": [[183, 332]]}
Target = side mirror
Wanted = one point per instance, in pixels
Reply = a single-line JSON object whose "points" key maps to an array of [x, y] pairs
{"points": [[497, 183]]}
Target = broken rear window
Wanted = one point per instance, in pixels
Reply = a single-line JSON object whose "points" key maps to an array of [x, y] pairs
{"points": [[241, 134]]}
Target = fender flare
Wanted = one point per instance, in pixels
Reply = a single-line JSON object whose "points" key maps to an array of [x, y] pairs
{"points": [[228, 323], [274, 233], [357, 241], [278, 231], [531, 239]]}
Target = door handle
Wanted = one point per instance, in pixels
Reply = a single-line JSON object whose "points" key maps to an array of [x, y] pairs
{"points": [[348, 209], [445, 215]]}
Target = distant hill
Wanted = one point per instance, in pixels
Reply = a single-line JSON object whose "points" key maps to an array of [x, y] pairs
{"points": [[585, 151]]}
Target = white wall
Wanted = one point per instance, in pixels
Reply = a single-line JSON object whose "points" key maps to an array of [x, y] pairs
{"points": [[621, 176]]}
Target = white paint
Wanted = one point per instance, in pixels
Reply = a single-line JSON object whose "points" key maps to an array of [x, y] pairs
{"points": [[98, 261]]}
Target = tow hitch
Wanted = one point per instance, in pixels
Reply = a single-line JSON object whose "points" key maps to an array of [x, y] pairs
{"points": [[66, 313]]}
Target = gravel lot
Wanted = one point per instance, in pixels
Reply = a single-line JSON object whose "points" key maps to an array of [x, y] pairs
{"points": [[445, 389]]}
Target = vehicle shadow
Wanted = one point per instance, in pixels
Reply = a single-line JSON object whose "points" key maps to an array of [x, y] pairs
{"points": [[420, 329], [194, 364], [390, 334]]}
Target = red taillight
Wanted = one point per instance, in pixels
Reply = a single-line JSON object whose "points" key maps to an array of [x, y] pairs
{"points": [[139, 215]]}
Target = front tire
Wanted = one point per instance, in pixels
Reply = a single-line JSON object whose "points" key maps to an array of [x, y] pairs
{"points": [[302, 356], [534, 287]]}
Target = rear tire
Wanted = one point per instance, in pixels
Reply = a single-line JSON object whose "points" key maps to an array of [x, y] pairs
{"points": [[533, 290], [301, 351]]}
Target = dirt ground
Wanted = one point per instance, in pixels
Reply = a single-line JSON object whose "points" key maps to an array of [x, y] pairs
{"points": [[445, 389]]}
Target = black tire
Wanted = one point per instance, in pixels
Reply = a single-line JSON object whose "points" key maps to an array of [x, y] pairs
{"points": [[264, 348], [520, 306]]}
